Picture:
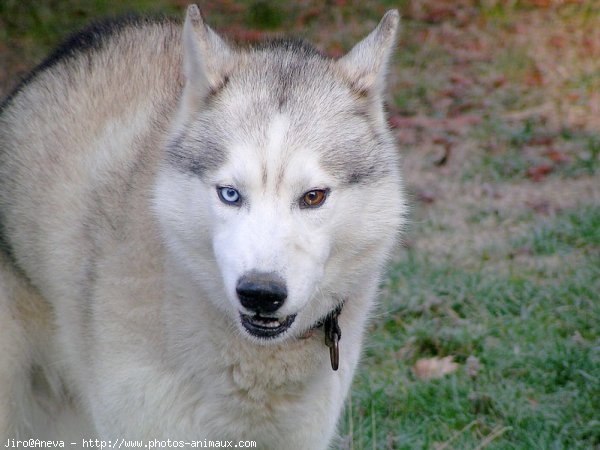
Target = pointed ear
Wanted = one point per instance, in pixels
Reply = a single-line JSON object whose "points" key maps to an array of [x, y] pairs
{"points": [[207, 59], [365, 65]]}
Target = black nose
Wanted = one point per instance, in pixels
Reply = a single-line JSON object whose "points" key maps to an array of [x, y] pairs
{"points": [[261, 292]]}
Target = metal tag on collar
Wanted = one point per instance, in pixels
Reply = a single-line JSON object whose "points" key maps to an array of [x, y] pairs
{"points": [[333, 333]]}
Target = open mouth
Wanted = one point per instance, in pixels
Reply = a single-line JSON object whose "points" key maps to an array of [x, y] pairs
{"points": [[266, 327]]}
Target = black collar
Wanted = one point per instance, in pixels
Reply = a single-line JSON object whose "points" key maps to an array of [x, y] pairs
{"points": [[333, 334]]}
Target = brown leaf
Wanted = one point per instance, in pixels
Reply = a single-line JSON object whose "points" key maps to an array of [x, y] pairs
{"points": [[557, 156], [244, 35], [499, 81], [539, 172], [438, 14], [443, 160], [540, 140], [432, 368], [460, 79], [534, 78]]}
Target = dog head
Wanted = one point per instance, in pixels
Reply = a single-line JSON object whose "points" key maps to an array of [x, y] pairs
{"points": [[280, 190]]}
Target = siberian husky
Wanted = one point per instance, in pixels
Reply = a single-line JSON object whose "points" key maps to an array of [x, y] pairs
{"points": [[192, 235]]}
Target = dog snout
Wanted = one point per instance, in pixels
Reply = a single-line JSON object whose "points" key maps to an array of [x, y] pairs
{"points": [[261, 292]]}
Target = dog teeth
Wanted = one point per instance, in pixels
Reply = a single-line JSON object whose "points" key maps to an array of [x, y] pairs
{"points": [[266, 322], [266, 327]]}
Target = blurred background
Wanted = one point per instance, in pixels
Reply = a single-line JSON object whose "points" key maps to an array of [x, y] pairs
{"points": [[488, 332]]}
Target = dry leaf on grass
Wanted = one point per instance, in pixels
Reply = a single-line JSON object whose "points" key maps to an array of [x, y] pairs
{"points": [[537, 173], [432, 368]]}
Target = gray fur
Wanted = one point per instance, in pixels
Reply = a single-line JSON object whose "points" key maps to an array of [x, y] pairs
{"points": [[292, 77]]}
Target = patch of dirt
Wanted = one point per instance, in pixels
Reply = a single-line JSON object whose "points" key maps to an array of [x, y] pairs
{"points": [[465, 220]]}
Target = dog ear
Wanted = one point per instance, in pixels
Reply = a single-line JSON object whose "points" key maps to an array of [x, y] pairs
{"points": [[366, 64], [207, 59]]}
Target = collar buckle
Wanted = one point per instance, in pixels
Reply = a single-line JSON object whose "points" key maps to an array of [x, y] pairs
{"points": [[333, 334]]}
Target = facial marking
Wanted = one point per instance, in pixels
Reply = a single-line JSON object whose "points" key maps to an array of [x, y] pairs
{"points": [[275, 152], [273, 233]]}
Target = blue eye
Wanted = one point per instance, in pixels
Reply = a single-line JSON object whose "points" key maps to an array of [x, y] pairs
{"points": [[229, 195]]}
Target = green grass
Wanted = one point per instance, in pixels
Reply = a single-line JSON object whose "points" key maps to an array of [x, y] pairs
{"points": [[34, 28], [570, 231], [538, 345]]}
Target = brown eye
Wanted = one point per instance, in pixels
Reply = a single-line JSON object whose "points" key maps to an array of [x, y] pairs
{"points": [[314, 198]]}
